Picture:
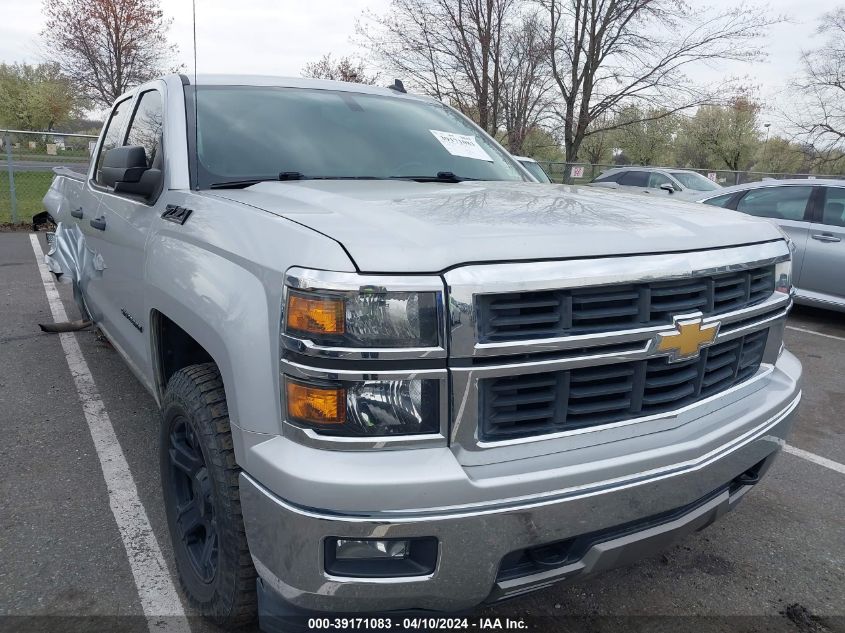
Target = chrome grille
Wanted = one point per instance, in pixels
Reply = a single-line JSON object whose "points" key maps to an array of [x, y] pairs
{"points": [[550, 402], [553, 313]]}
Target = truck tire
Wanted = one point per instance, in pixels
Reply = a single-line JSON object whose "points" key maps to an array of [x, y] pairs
{"points": [[200, 481]]}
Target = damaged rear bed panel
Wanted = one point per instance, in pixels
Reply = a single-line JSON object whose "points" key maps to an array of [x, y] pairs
{"points": [[68, 257]]}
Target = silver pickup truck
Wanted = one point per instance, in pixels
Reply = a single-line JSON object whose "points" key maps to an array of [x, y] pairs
{"points": [[395, 374]]}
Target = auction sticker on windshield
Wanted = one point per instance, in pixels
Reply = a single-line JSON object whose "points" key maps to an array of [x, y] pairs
{"points": [[464, 145]]}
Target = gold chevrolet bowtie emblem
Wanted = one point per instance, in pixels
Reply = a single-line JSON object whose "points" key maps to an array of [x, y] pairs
{"points": [[687, 337]]}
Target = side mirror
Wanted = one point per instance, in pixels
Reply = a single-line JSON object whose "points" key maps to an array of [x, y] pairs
{"points": [[123, 164], [667, 187], [125, 170]]}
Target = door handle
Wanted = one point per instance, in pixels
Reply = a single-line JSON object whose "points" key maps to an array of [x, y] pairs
{"points": [[825, 237], [99, 223], [77, 213]]}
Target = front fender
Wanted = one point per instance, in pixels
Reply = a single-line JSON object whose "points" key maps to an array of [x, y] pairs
{"points": [[224, 307], [220, 277]]}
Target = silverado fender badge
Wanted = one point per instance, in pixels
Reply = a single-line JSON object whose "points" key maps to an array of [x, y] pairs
{"points": [[686, 338], [176, 214]]}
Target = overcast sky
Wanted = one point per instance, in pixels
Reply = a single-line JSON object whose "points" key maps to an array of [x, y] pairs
{"points": [[279, 37]]}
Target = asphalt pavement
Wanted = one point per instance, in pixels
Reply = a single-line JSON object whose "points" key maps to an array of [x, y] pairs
{"points": [[777, 563]]}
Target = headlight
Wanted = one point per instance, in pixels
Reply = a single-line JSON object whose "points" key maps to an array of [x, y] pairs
{"points": [[783, 276], [375, 319], [345, 310], [366, 407], [358, 323]]}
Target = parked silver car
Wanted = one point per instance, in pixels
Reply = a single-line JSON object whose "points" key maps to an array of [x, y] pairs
{"points": [[534, 169], [682, 183], [812, 213]]}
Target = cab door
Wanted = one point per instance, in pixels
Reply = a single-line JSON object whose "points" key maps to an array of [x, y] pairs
{"points": [[124, 222], [824, 261], [93, 267], [656, 180]]}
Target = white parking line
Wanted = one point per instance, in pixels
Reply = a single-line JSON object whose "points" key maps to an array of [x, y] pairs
{"points": [[158, 595], [816, 459], [806, 331]]}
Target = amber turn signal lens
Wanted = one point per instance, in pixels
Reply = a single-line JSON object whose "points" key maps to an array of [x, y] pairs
{"points": [[320, 406], [315, 314]]}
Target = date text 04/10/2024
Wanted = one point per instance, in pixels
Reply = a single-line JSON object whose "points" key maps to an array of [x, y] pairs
{"points": [[418, 623]]}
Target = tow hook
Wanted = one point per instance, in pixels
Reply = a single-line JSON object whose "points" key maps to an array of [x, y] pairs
{"points": [[748, 478]]}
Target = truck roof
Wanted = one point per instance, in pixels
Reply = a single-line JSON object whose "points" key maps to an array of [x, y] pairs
{"points": [[296, 82], [276, 81]]}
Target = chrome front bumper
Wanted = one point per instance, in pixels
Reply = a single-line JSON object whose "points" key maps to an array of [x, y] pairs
{"points": [[286, 540]]}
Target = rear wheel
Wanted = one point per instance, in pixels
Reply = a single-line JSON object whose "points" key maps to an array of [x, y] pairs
{"points": [[200, 482]]}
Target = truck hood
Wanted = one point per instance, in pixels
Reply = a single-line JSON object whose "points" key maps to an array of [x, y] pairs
{"points": [[401, 226]]}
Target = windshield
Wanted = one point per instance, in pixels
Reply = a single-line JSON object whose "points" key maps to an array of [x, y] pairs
{"points": [[256, 133], [692, 180], [536, 170]]}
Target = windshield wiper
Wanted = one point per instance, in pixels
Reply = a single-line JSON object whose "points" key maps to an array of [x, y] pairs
{"points": [[238, 184], [285, 176], [442, 176]]}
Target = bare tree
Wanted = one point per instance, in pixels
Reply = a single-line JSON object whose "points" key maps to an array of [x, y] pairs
{"points": [[525, 81], [107, 46], [597, 147], [819, 93], [541, 144], [611, 53], [344, 69], [596, 150], [449, 49]]}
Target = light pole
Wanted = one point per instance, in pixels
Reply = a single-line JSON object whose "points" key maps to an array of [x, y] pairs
{"points": [[766, 142]]}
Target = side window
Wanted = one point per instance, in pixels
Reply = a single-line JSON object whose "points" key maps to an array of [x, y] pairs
{"points": [[145, 128], [720, 201], [655, 179], [780, 203], [612, 176], [833, 211], [634, 179], [111, 135]]}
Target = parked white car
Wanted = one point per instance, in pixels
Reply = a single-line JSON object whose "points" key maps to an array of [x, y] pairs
{"points": [[681, 183], [534, 169]]}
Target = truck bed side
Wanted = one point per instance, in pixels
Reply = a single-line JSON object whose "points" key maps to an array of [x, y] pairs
{"points": [[68, 257]]}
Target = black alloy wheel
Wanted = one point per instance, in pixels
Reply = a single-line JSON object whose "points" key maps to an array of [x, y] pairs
{"points": [[196, 524], [200, 480]]}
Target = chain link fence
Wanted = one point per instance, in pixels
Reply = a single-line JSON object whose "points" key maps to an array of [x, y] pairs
{"points": [[582, 173], [27, 160]]}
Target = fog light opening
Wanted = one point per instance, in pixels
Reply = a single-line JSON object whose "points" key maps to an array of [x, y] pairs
{"points": [[350, 549], [380, 558]]}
